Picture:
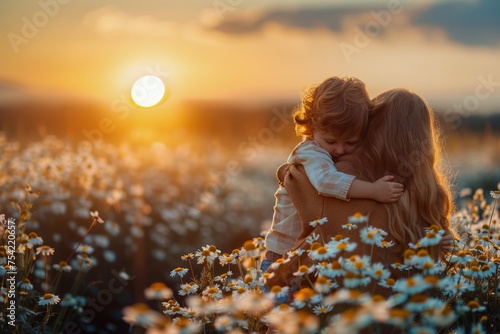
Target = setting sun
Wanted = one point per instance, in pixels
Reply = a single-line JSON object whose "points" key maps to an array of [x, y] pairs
{"points": [[148, 91]]}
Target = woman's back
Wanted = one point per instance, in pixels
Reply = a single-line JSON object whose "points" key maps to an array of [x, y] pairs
{"points": [[312, 206]]}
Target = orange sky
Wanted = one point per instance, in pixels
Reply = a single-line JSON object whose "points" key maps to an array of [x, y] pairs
{"points": [[98, 49]]}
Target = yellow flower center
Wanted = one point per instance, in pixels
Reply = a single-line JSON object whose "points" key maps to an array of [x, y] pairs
{"points": [[48, 296]]}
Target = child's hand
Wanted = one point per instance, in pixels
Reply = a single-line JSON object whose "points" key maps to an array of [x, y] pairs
{"points": [[447, 243], [386, 191]]}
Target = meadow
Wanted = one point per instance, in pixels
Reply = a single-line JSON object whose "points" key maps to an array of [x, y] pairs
{"points": [[165, 236]]}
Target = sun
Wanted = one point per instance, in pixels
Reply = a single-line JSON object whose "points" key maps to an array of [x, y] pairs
{"points": [[148, 91]]}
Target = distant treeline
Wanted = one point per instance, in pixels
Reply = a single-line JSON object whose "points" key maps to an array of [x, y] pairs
{"points": [[212, 120]]}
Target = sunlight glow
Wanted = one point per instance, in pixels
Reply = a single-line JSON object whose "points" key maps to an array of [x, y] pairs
{"points": [[148, 91]]}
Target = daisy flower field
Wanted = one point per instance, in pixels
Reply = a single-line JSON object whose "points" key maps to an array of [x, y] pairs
{"points": [[157, 239]]}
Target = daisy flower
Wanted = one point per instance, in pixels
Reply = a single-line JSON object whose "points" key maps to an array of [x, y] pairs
{"points": [[225, 259], [296, 252], [25, 284], [181, 272], [313, 237], [421, 302], [432, 238], [142, 315], [351, 321], [265, 277], [342, 245], [279, 292], [317, 222], [239, 291], [49, 299], [487, 270], [276, 264], [302, 296], [432, 268], [350, 226], [251, 279], [158, 291], [224, 323], [478, 271], [322, 309], [68, 300], [495, 194], [400, 266], [95, 217], [473, 306], [253, 302], [421, 258], [408, 255], [357, 218], [207, 253], [324, 285], [259, 242], [411, 285], [84, 262], [23, 245], [213, 292], [352, 280], [399, 317], [188, 289], [357, 264], [34, 239], [320, 253], [388, 283], [187, 257], [371, 235], [385, 244], [455, 285], [223, 277], [85, 249], [330, 269], [379, 272], [251, 249], [441, 317], [45, 250], [303, 271]]}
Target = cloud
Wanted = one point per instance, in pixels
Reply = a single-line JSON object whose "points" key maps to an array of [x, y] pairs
{"points": [[303, 18], [109, 20], [472, 22], [466, 22]]}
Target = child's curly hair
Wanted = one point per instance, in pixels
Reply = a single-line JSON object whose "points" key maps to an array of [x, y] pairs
{"points": [[337, 105]]}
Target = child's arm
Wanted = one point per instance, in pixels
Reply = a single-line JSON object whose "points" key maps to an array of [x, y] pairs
{"points": [[320, 170], [381, 190]]}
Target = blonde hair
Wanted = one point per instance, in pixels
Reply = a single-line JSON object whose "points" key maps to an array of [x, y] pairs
{"points": [[335, 105], [403, 139]]}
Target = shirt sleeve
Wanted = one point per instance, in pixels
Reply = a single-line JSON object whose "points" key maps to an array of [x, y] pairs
{"points": [[321, 171]]}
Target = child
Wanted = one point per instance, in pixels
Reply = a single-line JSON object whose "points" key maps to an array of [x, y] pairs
{"points": [[332, 119]]}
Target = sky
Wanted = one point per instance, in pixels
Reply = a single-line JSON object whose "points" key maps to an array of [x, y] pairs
{"points": [[252, 50]]}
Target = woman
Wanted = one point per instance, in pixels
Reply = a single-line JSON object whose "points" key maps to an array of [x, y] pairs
{"points": [[401, 140]]}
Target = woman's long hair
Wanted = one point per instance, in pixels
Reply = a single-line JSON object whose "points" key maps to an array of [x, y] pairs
{"points": [[402, 139]]}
